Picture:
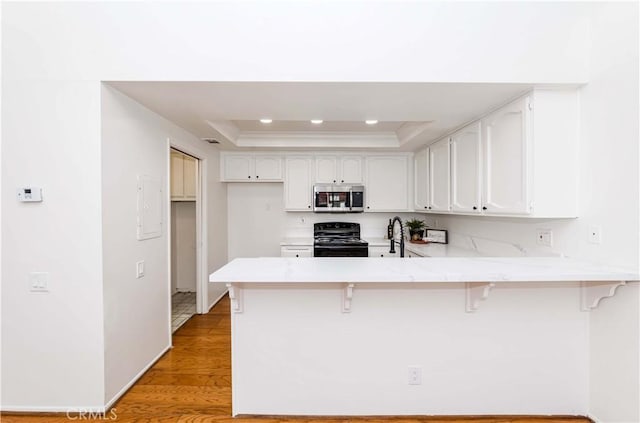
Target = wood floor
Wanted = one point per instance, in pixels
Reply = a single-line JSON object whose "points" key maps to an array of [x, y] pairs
{"points": [[192, 383]]}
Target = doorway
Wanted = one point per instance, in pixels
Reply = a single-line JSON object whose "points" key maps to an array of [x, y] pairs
{"points": [[184, 240]]}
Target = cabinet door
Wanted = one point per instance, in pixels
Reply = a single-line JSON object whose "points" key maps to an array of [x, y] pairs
{"points": [[297, 183], [466, 156], [177, 175], [268, 168], [326, 170], [506, 138], [421, 182], [439, 176], [238, 168], [190, 169], [387, 183], [350, 170]]}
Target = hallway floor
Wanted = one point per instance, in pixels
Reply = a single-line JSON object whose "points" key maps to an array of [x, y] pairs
{"points": [[183, 306]]}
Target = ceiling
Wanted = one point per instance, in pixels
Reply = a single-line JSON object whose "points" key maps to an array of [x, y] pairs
{"points": [[409, 114]]}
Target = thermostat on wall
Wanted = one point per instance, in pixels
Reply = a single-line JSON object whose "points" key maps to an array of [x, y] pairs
{"points": [[438, 236], [30, 195]]}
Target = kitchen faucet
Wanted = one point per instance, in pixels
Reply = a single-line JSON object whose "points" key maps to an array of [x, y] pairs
{"points": [[393, 241]]}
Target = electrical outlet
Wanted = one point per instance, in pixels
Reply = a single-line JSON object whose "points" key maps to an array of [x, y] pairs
{"points": [[415, 375], [595, 234], [544, 237], [139, 269], [39, 281]]}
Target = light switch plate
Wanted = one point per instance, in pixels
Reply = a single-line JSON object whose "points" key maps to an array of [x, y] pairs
{"points": [[139, 269], [39, 282]]}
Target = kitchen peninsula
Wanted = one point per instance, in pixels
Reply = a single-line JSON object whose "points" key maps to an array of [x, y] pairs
{"points": [[420, 336]]}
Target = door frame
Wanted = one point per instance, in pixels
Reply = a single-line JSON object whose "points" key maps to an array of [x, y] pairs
{"points": [[201, 222]]}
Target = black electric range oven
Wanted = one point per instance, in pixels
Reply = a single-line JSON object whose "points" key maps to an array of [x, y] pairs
{"points": [[338, 239]]}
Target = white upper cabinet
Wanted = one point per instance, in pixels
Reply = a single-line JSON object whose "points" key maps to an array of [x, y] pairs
{"points": [[520, 160], [184, 171], [439, 176], [268, 168], [247, 167], [326, 169], [350, 170], [338, 170], [466, 175], [298, 183], [505, 151], [387, 183], [421, 180]]}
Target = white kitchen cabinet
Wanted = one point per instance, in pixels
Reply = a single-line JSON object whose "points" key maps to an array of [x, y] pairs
{"points": [[184, 171], [421, 180], [350, 170], [338, 170], [298, 183], [439, 176], [249, 167], [296, 251], [387, 183], [520, 160], [383, 252], [506, 142], [466, 175]]}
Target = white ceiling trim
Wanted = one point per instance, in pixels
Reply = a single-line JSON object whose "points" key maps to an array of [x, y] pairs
{"points": [[318, 140]]}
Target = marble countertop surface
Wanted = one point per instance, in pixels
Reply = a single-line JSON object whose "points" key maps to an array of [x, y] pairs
{"points": [[419, 270]]}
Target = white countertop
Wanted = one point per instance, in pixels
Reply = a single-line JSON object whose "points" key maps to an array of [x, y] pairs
{"points": [[432, 269]]}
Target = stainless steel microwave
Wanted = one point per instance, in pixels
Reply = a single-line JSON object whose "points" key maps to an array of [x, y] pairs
{"points": [[338, 198]]}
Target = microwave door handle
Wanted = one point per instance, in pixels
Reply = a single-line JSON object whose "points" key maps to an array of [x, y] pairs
{"points": [[351, 200]]}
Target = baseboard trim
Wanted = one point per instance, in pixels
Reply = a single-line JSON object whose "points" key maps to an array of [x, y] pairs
{"points": [[46, 409], [216, 301], [128, 386]]}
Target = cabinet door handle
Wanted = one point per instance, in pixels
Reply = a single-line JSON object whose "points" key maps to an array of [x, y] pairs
{"points": [[257, 176], [297, 255], [368, 207], [429, 207], [475, 208], [334, 181], [484, 207], [342, 181], [426, 207], [308, 207], [249, 176]]}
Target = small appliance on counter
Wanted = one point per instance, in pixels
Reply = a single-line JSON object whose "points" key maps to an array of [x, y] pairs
{"points": [[332, 198], [338, 239]]}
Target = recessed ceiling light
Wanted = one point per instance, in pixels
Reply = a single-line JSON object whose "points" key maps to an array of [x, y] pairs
{"points": [[370, 121], [266, 120], [316, 121]]}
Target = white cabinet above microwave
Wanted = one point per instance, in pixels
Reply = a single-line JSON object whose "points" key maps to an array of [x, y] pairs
{"points": [[248, 167]]}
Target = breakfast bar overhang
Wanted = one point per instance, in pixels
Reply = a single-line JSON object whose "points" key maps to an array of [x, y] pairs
{"points": [[490, 335]]}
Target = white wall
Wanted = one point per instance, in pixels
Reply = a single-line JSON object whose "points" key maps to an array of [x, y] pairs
{"points": [[209, 41], [183, 246], [134, 142], [52, 343]]}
